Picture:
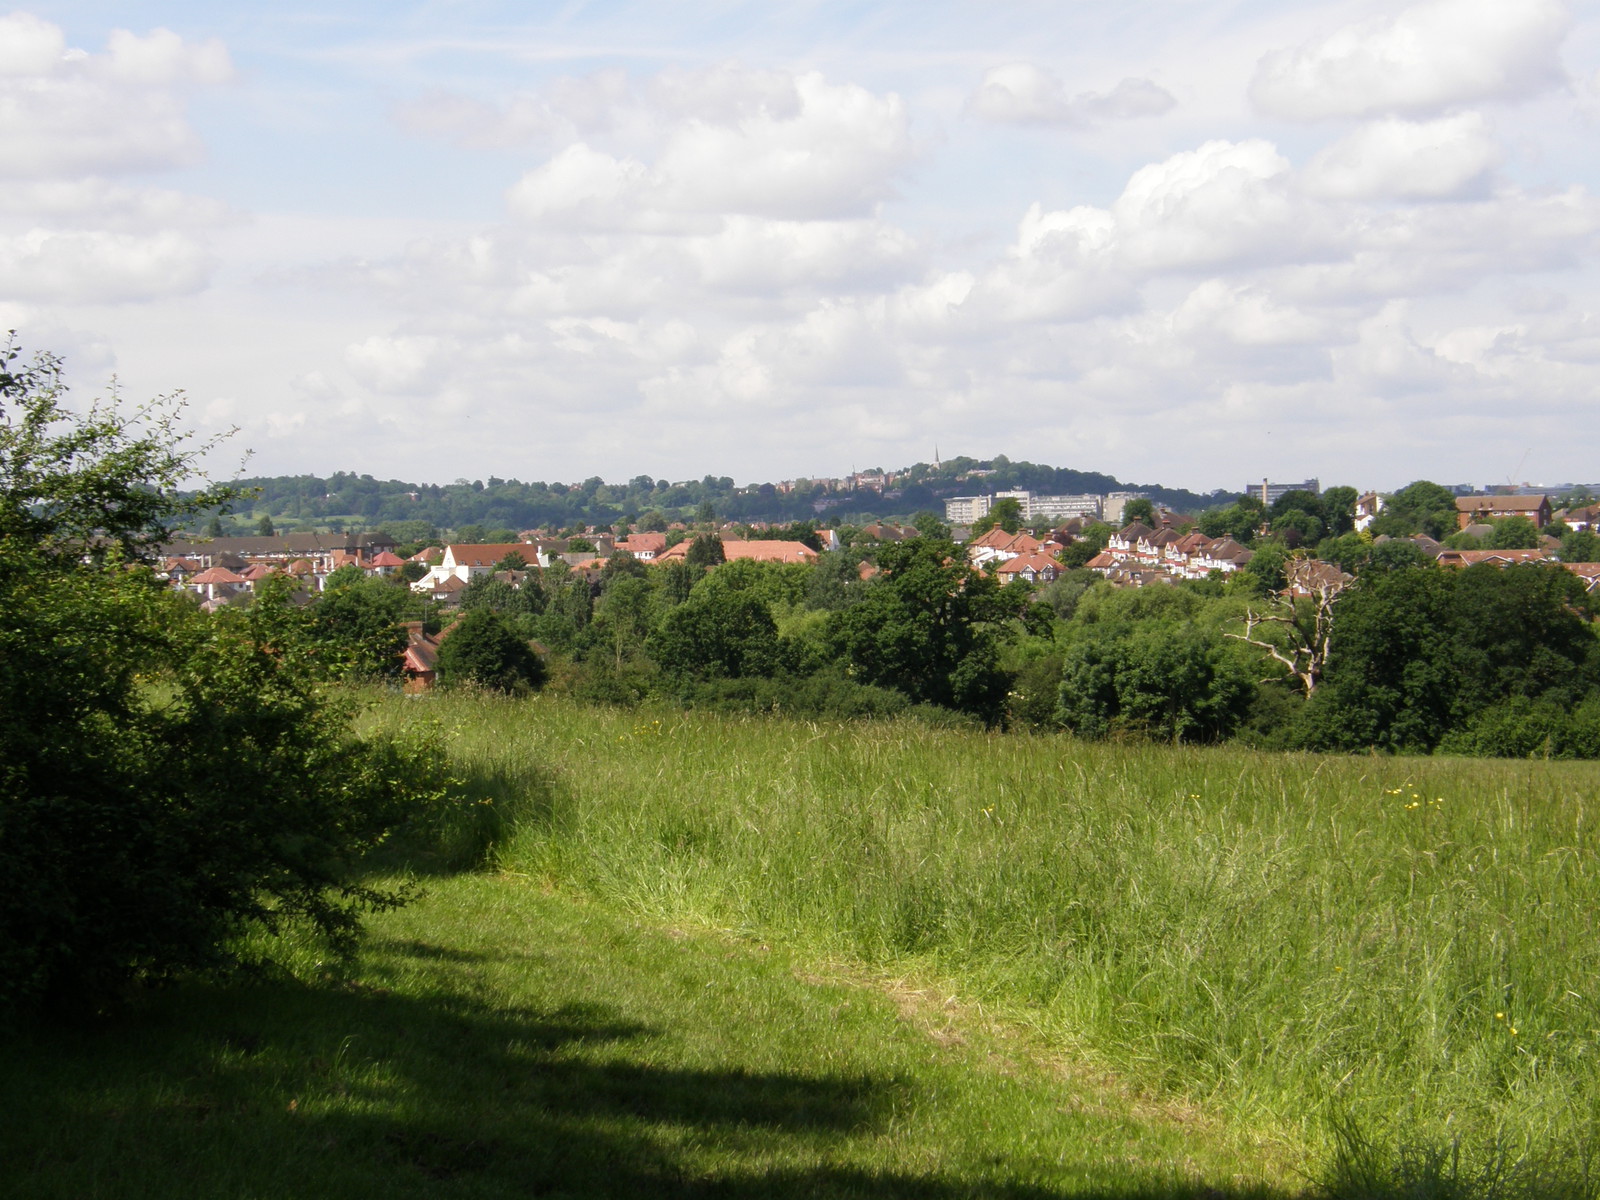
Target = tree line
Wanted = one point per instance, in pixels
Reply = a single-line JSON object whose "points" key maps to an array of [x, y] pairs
{"points": [[471, 510], [1408, 657]]}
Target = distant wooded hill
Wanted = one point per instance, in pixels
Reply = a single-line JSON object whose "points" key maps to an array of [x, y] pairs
{"points": [[345, 499]]}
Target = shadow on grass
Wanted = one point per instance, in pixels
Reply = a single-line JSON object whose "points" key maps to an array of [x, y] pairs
{"points": [[345, 1090], [464, 832]]}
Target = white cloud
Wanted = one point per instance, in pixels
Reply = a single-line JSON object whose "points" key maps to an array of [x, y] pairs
{"points": [[836, 156], [1026, 94], [1396, 159], [67, 112], [404, 364], [162, 58], [29, 45], [581, 188], [70, 121], [97, 267], [606, 104], [1426, 58], [1246, 315], [759, 254], [113, 206]]}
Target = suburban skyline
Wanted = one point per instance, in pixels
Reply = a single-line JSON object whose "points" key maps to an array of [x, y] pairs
{"points": [[1187, 243]]}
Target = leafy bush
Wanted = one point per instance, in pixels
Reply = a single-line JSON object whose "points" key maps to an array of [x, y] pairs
{"points": [[1520, 727], [168, 778], [1167, 682], [482, 649]]}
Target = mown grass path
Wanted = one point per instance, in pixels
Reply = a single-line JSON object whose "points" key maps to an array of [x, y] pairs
{"points": [[495, 1041]]}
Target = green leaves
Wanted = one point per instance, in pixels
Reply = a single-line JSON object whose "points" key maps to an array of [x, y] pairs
{"points": [[166, 778]]}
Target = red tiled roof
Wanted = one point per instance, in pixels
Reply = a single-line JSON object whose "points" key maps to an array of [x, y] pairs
{"points": [[217, 575], [487, 555]]}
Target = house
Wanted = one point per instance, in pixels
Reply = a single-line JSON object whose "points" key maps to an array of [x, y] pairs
{"points": [[759, 551], [216, 583], [997, 546], [467, 562], [1368, 506], [643, 546], [1588, 572], [1313, 577], [420, 661], [231, 552], [1035, 568], [1587, 517], [442, 591], [1500, 558], [1225, 555], [1124, 543], [1470, 509]]}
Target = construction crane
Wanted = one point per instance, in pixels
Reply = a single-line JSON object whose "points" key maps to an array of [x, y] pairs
{"points": [[1511, 479]]}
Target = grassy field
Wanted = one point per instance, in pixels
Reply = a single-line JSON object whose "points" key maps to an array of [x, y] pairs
{"points": [[497, 1041], [678, 954], [1398, 949]]}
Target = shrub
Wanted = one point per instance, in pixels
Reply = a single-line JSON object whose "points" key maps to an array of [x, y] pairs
{"points": [[482, 649], [177, 777]]}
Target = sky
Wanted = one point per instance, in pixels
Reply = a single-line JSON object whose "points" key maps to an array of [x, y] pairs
{"points": [[1186, 242]]}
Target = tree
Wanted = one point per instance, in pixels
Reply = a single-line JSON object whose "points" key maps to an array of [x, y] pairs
{"points": [[1339, 510], [1395, 556], [1139, 509], [726, 634], [1238, 521], [264, 527], [354, 627], [1418, 653], [1006, 513], [1089, 543], [705, 551], [1269, 565], [1304, 631], [179, 778], [925, 627], [483, 650], [1514, 533], [1420, 507], [1167, 682], [1580, 546]]}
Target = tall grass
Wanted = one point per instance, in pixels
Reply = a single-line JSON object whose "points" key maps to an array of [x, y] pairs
{"points": [[1398, 948]]}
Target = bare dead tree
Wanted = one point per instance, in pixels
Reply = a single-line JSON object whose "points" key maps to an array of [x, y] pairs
{"points": [[1306, 623]]}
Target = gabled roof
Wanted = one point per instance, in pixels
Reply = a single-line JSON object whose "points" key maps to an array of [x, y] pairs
{"points": [[388, 558], [1225, 549], [636, 543], [1027, 562], [1473, 504], [488, 554], [769, 551], [217, 575], [1134, 531], [1471, 558]]}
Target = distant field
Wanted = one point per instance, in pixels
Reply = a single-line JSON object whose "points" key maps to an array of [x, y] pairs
{"points": [[1401, 949]]}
